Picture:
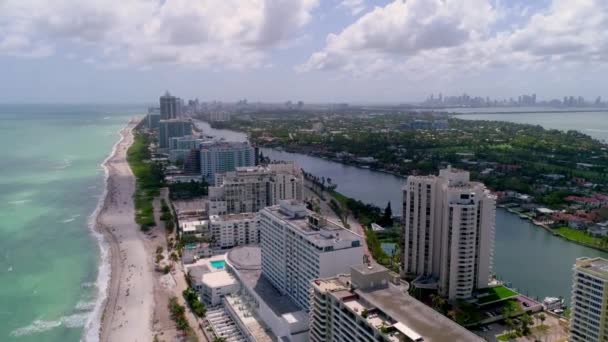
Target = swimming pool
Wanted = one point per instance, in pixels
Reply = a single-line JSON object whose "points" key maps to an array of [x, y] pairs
{"points": [[218, 264]]}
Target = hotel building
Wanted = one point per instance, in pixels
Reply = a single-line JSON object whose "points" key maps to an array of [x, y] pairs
{"points": [[589, 304], [228, 231], [218, 157], [249, 189], [448, 233], [173, 128], [298, 246], [371, 305]]}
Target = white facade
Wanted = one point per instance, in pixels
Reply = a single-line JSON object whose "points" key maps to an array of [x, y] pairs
{"points": [[193, 227], [249, 189], [448, 232], [371, 306], [216, 285], [299, 246], [228, 231], [589, 300]]}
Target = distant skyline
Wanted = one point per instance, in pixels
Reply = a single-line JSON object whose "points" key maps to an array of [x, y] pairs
{"points": [[357, 51]]}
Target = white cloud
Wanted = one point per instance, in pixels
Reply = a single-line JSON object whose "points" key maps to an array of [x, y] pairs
{"points": [[443, 37], [227, 33], [353, 6]]}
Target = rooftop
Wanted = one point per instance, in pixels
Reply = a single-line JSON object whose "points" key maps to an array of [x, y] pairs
{"points": [[232, 217], [248, 263], [317, 229], [218, 279], [393, 307], [191, 226], [597, 266]]}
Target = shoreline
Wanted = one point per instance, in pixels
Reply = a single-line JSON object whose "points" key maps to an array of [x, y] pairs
{"points": [[92, 327], [120, 314]]}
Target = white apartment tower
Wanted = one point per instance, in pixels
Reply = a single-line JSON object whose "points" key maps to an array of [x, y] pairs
{"points": [[448, 233], [228, 231], [299, 246], [588, 320], [249, 189]]}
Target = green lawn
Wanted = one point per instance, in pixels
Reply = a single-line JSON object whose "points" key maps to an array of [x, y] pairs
{"points": [[148, 180], [495, 293], [580, 236]]}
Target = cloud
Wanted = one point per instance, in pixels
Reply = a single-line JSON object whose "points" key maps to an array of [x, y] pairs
{"points": [[442, 37], [354, 6], [227, 33]]}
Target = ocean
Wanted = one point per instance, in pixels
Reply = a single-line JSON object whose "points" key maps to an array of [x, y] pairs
{"points": [[51, 266], [594, 124]]}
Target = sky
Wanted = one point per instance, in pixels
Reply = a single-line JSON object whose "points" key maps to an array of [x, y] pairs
{"points": [[128, 51]]}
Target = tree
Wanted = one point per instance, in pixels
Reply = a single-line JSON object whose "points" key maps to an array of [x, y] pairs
{"points": [[387, 217], [174, 257], [542, 318], [526, 321]]}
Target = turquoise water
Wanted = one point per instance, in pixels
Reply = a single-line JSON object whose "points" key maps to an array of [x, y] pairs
{"points": [[218, 264], [51, 184]]}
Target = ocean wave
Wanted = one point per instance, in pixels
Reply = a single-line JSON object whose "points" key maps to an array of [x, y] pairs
{"points": [[39, 325], [85, 306], [71, 219], [19, 202]]}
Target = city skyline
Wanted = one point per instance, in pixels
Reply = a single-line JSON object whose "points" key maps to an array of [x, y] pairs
{"points": [[330, 51]]}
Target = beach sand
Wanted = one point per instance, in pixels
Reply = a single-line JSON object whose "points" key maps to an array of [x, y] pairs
{"points": [[130, 295]]}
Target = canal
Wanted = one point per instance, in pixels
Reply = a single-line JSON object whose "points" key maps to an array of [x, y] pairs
{"points": [[534, 261]]}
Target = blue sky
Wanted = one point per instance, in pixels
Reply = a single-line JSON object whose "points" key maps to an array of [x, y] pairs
{"points": [[311, 50]]}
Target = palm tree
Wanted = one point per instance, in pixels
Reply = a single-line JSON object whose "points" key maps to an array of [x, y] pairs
{"points": [[542, 318]]}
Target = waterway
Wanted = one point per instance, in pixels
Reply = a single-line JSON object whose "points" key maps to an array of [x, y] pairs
{"points": [[530, 258]]}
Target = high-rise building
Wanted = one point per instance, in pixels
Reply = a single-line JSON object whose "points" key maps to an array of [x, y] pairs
{"points": [[298, 246], [369, 305], [172, 129], [589, 316], [180, 148], [168, 107], [153, 117], [219, 157], [249, 189], [448, 233]]}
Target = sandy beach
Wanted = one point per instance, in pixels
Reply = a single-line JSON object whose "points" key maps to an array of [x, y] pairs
{"points": [[130, 295]]}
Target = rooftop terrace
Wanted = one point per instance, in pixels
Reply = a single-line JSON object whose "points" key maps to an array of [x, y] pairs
{"points": [[397, 313]]}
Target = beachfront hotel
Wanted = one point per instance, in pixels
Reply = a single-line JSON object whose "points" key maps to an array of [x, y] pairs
{"points": [[371, 305], [228, 231], [298, 246], [589, 317], [171, 129], [220, 156], [250, 189], [448, 233]]}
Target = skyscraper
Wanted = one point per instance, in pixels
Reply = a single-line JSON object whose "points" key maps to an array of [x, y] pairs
{"points": [[168, 106], [171, 129], [448, 233], [589, 317]]}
